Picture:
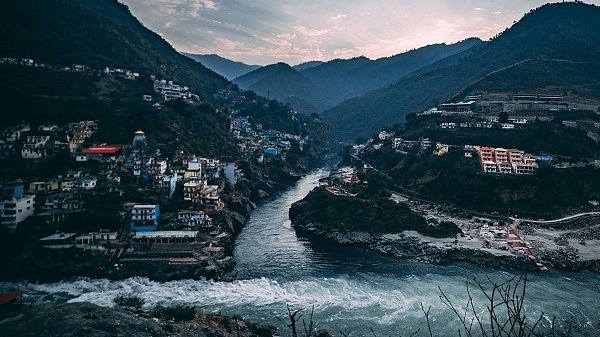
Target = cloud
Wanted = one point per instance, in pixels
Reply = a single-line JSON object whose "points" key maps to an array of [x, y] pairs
{"points": [[338, 17], [263, 31]]}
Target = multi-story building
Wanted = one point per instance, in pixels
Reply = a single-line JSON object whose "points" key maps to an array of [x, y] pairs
{"points": [[33, 147], [169, 183], [15, 207], [513, 161], [203, 197], [169, 89], [156, 167], [144, 218]]}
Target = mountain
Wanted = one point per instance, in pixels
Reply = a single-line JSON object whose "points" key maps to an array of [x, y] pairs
{"points": [[282, 82], [560, 31], [306, 65], [343, 79], [98, 34], [325, 84], [225, 67]]}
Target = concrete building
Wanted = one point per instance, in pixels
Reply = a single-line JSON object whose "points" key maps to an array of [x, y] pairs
{"points": [[144, 218], [513, 161], [169, 183], [33, 147], [232, 173], [15, 207]]}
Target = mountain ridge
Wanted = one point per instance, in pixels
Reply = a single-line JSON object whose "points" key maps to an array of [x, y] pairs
{"points": [[553, 31]]}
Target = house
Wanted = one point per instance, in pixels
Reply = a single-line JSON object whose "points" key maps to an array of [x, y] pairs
{"points": [[440, 149], [94, 240], [147, 98], [41, 186], [448, 125], [383, 135], [144, 218], [59, 240], [270, 151], [194, 169]]}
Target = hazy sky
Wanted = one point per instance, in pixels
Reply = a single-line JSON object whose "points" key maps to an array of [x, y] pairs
{"points": [[268, 31]]}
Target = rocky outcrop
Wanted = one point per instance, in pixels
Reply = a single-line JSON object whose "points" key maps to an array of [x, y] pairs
{"points": [[414, 248], [86, 319]]}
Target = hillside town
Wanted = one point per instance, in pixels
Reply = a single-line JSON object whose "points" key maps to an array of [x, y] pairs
{"points": [[184, 235]]}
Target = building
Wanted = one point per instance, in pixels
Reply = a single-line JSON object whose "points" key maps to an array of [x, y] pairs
{"points": [[15, 207], [102, 153], [513, 161], [232, 173], [144, 218], [94, 240], [139, 139], [79, 132], [169, 89], [156, 167], [165, 237], [460, 107], [33, 147], [59, 240], [169, 183], [203, 197], [270, 151]]}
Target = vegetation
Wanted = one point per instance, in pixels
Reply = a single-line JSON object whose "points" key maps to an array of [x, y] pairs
{"points": [[370, 212], [129, 301], [178, 313]]}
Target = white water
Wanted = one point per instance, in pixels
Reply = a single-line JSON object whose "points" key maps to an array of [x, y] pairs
{"points": [[349, 288]]}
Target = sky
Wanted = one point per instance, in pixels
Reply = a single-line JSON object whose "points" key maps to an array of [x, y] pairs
{"points": [[262, 32]]}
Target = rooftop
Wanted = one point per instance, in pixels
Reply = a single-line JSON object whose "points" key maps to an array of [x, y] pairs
{"points": [[165, 234], [102, 149]]}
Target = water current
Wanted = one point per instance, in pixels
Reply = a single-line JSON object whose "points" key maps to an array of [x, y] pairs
{"points": [[350, 289]]}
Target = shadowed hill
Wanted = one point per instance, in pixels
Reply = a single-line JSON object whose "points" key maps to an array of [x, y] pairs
{"points": [[227, 68], [98, 34], [284, 83]]}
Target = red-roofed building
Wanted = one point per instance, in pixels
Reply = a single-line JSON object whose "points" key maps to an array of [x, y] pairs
{"points": [[102, 153], [108, 150]]}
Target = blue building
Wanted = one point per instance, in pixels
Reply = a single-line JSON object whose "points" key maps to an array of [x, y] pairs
{"points": [[270, 150], [545, 158], [144, 218]]}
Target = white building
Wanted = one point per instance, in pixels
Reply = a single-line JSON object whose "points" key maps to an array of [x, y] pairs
{"points": [[33, 147], [232, 173], [15, 209], [169, 183]]}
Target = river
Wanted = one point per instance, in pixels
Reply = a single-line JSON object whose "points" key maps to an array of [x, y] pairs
{"points": [[350, 289]]}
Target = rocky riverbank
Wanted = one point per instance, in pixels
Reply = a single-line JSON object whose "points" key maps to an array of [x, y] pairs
{"points": [[480, 241]]}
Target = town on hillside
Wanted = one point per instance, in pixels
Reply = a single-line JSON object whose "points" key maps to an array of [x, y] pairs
{"points": [[94, 202]]}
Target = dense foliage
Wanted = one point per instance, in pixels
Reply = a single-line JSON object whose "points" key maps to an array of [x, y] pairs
{"points": [[367, 212]]}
